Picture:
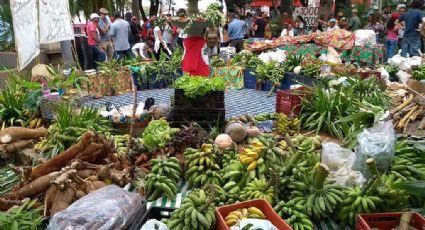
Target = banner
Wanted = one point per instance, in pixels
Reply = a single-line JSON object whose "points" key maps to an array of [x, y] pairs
{"points": [[25, 27], [308, 13], [55, 21]]}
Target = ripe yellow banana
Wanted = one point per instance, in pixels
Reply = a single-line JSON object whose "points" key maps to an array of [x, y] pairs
{"points": [[252, 166], [256, 211]]}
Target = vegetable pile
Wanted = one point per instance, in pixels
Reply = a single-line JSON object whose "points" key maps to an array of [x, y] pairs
{"points": [[199, 86]]}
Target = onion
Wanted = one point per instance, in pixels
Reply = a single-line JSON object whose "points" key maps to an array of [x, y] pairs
{"points": [[223, 141]]}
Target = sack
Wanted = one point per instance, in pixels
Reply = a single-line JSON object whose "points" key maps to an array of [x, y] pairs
{"points": [[109, 208], [212, 36], [378, 143], [365, 37]]}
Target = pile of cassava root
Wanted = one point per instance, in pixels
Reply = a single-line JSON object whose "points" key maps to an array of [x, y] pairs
{"points": [[18, 139], [86, 166], [408, 107]]}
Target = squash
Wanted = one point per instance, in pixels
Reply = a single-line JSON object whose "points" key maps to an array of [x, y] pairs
{"points": [[223, 141], [253, 131], [237, 131]]}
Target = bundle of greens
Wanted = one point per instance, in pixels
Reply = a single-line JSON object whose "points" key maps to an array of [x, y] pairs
{"points": [[192, 136], [419, 73], [343, 110], [214, 15], [70, 125], [194, 86], [292, 61], [246, 59], [157, 134], [217, 62], [271, 71], [24, 217]]}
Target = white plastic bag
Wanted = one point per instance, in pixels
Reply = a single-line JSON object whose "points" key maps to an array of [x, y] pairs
{"points": [[340, 162], [333, 56], [154, 224], [403, 76], [378, 143], [364, 37], [108, 208], [384, 74]]}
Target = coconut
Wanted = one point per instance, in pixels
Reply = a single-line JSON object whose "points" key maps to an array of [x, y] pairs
{"points": [[223, 141], [237, 131]]}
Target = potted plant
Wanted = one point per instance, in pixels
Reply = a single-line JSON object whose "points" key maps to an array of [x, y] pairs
{"points": [[62, 83]]}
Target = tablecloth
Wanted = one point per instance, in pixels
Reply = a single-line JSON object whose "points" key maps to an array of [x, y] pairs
{"points": [[369, 55], [233, 75]]}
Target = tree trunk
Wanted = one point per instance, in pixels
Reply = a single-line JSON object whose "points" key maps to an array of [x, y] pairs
{"points": [[192, 7], [142, 11], [135, 8], [286, 6], [154, 8]]}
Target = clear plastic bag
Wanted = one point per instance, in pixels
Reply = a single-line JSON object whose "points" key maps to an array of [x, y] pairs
{"points": [[340, 162], [378, 143], [109, 208], [154, 224], [255, 224]]}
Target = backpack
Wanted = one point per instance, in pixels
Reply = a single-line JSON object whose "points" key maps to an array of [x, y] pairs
{"points": [[212, 36]]}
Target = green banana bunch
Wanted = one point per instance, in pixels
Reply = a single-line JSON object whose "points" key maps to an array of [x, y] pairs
{"points": [[201, 166], [312, 70], [258, 189], [158, 185], [196, 212], [319, 197], [235, 171], [221, 197], [266, 117], [227, 157], [169, 167], [294, 215], [244, 118], [395, 199], [357, 201], [163, 178], [406, 157], [306, 144]]}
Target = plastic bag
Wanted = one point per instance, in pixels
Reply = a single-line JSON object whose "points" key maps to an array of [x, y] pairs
{"points": [[109, 208], [340, 162], [403, 76], [154, 224], [384, 74], [378, 143], [333, 56], [365, 37], [255, 224]]}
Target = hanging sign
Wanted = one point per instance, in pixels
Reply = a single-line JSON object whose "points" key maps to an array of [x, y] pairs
{"points": [[55, 21], [25, 28], [309, 14]]}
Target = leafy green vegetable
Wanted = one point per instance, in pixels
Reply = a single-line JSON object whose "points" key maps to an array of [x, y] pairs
{"points": [[247, 59], [157, 134], [8, 179], [214, 15], [24, 217], [217, 62], [419, 73], [199, 86]]}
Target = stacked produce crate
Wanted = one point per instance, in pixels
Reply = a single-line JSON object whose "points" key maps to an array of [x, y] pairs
{"points": [[208, 110]]}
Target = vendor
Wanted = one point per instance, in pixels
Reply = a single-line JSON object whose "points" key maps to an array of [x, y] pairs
{"points": [[343, 24], [143, 49], [288, 31], [332, 25]]}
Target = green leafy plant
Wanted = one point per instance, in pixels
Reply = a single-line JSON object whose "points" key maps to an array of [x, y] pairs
{"points": [[217, 62], [214, 15], [7, 39], [292, 61], [12, 101], [70, 125], [61, 82], [247, 59], [25, 217], [157, 134], [419, 73], [199, 86], [8, 179]]}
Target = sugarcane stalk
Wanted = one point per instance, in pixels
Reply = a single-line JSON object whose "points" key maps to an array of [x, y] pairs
{"points": [[404, 104], [320, 175]]}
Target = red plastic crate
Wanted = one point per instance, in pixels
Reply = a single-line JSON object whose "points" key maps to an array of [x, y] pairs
{"points": [[261, 204], [387, 221], [289, 101]]}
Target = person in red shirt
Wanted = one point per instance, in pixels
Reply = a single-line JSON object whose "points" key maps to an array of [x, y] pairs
{"points": [[286, 20], [95, 50]]}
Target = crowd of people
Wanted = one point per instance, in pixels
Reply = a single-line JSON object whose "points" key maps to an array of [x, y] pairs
{"points": [[120, 37]]}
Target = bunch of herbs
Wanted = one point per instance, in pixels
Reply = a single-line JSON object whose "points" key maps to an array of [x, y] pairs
{"points": [[157, 134], [194, 86]]}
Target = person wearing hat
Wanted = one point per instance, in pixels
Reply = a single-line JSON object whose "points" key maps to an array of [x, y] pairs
{"points": [[93, 40], [120, 31], [332, 25], [354, 23], [104, 27]]}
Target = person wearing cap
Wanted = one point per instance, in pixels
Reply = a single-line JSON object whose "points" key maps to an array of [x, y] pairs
{"points": [[343, 24], [96, 52], [120, 31], [332, 25], [104, 27], [354, 23]]}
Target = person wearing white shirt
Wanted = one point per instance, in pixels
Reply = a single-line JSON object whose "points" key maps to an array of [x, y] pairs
{"points": [[143, 49], [288, 31], [332, 25]]}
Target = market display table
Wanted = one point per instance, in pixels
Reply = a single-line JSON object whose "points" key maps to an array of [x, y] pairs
{"points": [[233, 75], [369, 55]]}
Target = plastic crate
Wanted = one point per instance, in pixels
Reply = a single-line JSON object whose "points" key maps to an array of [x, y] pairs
{"points": [[156, 213], [267, 85], [261, 204], [212, 100], [289, 101], [206, 118], [387, 221], [249, 79]]}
